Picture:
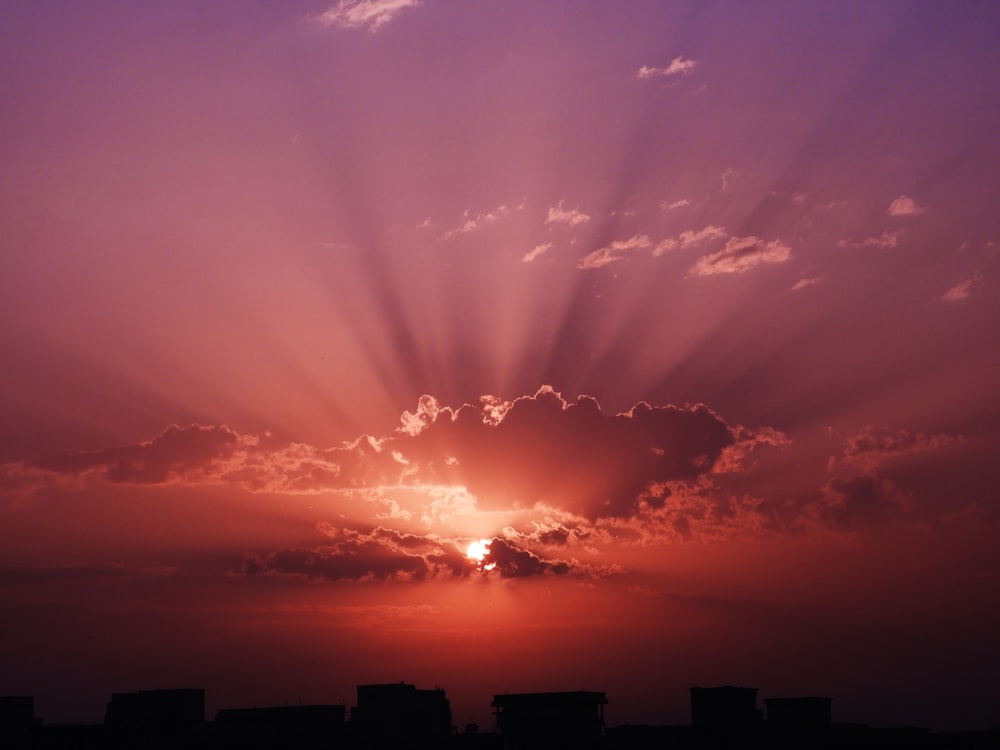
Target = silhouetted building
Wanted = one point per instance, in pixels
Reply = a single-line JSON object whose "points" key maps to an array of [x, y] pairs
{"points": [[157, 719], [399, 715], [17, 720], [159, 708], [724, 708], [299, 727], [77, 737], [17, 712], [805, 712], [648, 737], [473, 739], [550, 720]]}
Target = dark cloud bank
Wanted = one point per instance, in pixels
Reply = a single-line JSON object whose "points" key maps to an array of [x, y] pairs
{"points": [[652, 474]]}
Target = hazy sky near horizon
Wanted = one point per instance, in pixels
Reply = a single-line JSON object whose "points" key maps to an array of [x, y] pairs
{"points": [[691, 308]]}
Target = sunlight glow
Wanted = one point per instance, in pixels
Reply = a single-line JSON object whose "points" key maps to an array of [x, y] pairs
{"points": [[477, 549]]}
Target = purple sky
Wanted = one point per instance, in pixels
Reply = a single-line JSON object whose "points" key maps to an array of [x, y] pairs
{"points": [[692, 309]]}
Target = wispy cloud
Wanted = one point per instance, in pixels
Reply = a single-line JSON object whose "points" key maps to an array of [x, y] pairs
{"points": [[727, 177], [804, 282], [614, 252], [670, 206], [618, 249], [872, 446], [863, 488], [884, 241], [690, 238], [962, 289], [904, 205], [194, 453], [677, 66], [538, 250], [740, 255], [373, 14], [851, 503], [573, 216], [473, 222]]}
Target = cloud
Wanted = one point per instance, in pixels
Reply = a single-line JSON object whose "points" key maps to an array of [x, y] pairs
{"points": [[414, 422], [850, 503], [352, 14], [618, 249], [569, 455], [872, 446], [473, 222], [614, 252], [804, 282], [294, 469], [20, 481], [380, 555], [746, 442], [216, 455], [698, 509], [905, 206], [174, 454], [884, 241], [871, 481], [676, 204], [558, 534], [962, 289], [512, 562], [689, 238], [513, 456], [740, 255], [864, 487], [560, 465], [573, 217], [385, 554], [677, 66], [537, 251], [557, 474]]}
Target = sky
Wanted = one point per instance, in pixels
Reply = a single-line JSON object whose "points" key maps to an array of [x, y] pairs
{"points": [[688, 310]]}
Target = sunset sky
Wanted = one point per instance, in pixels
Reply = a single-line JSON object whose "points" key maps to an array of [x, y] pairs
{"points": [[691, 310]]}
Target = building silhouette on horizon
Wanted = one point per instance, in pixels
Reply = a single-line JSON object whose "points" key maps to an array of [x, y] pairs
{"points": [[17, 719], [799, 712], [156, 708], [398, 716], [550, 720], [725, 708], [301, 727]]}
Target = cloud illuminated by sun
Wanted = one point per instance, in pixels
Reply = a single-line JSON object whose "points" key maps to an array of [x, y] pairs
{"points": [[350, 14]]}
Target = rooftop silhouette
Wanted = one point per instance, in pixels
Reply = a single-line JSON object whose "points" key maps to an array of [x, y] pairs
{"points": [[402, 717], [550, 720]]}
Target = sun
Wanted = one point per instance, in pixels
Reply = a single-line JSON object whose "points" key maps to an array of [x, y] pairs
{"points": [[477, 550]]}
